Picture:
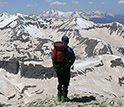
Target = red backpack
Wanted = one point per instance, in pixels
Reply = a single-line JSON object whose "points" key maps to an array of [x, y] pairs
{"points": [[59, 52]]}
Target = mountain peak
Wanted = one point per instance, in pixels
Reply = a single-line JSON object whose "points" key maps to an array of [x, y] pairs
{"points": [[4, 14], [19, 14]]}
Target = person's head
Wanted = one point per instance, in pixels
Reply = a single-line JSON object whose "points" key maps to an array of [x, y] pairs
{"points": [[65, 39]]}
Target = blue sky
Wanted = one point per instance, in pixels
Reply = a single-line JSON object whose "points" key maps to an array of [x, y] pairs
{"points": [[38, 6]]}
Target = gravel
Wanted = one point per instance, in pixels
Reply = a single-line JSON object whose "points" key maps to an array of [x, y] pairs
{"points": [[77, 100]]}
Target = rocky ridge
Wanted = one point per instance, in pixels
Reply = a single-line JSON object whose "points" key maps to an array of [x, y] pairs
{"points": [[31, 37], [77, 100]]}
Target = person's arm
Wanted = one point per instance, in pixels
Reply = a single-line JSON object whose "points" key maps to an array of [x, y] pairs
{"points": [[72, 58]]}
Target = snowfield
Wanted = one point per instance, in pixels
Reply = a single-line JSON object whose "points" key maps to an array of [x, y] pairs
{"points": [[93, 75], [83, 23]]}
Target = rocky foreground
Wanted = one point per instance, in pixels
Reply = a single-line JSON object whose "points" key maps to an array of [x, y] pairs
{"points": [[77, 100]]}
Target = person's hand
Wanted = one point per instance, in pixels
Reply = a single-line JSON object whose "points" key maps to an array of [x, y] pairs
{"points": [[72, 67]]}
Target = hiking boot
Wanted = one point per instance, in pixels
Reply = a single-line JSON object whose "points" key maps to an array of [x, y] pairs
{"points": [[64, 99], [58, 98]]}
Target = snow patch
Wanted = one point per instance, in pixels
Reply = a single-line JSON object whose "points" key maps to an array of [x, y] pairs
{"points": [[33, 62], [34, 31], [83, 23], [85, 63], [60, 13]]}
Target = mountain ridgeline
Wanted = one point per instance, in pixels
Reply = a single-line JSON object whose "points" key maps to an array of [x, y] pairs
{"points": [[95, 16], [31, 37], [26, 43]]}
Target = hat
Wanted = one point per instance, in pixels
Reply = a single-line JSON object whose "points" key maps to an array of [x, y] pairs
{"points": [[65, 39]]}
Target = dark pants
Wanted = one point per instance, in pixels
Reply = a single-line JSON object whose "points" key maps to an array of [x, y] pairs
{"points": [[63, 82]]}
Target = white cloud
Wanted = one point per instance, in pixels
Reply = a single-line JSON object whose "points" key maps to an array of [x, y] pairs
{"points": [[2, 2], [75, 2], [57, 3], [29, 5], [121, 2], [91, 2], [48, 0], [102, 3]]}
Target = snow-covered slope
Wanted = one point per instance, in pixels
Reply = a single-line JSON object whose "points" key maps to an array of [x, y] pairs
{"points": [[102, 75], [20, 35], [99, 50], [31, 37]]}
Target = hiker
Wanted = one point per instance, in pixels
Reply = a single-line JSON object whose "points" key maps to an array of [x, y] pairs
{"points": [[62, 59]]}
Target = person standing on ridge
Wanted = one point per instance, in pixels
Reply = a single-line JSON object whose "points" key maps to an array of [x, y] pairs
{"points": [[63, 57]]}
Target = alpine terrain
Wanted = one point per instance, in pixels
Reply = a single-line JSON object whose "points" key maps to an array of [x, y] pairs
{"points": [[26, 43]]}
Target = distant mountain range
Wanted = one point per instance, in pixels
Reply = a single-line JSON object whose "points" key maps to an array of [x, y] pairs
{"points": [[95, 16], [31, 37]]}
